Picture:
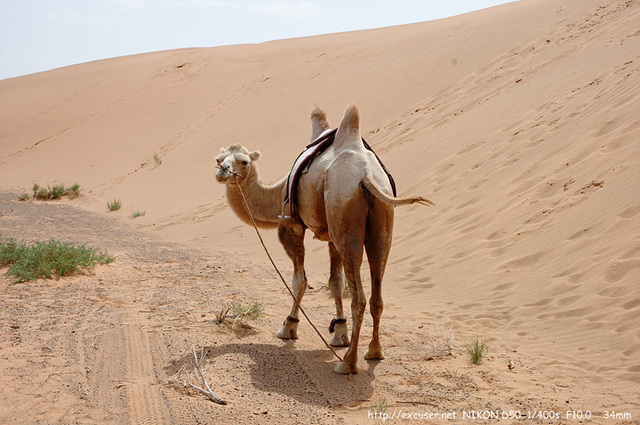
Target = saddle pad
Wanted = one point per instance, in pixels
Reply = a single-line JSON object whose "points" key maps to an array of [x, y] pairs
{"points": [[304, 160]]}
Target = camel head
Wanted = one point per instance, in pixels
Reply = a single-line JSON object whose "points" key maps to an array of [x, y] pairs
{"points": [[235, 159]]}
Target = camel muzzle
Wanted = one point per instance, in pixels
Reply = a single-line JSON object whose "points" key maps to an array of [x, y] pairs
{"points": [[224, 174]]}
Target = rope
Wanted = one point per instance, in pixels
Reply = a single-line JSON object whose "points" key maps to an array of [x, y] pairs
{"points": [[246, 204]]}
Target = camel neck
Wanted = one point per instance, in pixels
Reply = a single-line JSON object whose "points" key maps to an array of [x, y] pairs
{"points": [[264, 201]]}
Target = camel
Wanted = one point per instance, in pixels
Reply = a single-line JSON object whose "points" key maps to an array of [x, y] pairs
{"points": [[344, 199]]}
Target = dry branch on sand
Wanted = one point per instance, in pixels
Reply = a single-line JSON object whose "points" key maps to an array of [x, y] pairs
{"points": [[185, 376], [436, 348]]}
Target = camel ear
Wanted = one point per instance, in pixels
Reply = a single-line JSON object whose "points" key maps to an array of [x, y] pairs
{"points": [[222, 150], [255, 155]]}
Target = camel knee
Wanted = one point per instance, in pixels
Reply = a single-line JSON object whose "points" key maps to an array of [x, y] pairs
{"points": [[358, 306], [376, 306], [336, 284], [299, 283]]}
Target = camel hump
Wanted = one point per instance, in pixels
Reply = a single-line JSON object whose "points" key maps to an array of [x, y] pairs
{"points": [[318, 114], [349, 128], [319, 123], [351, 120]]}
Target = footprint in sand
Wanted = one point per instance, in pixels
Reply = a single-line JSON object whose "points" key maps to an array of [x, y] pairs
{"points": [[523, 262]]}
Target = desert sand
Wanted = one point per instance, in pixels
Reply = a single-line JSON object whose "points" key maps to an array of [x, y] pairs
{"points": [[519, 122]]}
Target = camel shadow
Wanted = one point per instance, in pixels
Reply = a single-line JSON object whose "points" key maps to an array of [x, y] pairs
{"points": [[303, 375]]}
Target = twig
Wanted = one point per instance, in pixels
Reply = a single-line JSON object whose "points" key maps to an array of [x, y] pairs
{"points": [[437, 351], [417, 402], [414, 393], [432, 353], [200, 375]]}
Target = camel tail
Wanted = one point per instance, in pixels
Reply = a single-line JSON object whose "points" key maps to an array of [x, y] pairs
{"points": [[369, 184]]}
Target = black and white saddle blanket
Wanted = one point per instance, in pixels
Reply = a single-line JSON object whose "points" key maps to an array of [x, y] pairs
{"points": [[303, 162]]}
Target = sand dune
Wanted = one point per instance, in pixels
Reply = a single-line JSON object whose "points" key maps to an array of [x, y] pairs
{"points": [[520, 122]]}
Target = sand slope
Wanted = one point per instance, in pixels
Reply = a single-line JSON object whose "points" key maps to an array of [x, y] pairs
{"points": [[520, 122]]}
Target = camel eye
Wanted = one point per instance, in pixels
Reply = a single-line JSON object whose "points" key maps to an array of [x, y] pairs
{"points": [[245, 162]]}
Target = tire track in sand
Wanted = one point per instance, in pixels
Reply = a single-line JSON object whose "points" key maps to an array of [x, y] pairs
{"points": [[146, 404]]}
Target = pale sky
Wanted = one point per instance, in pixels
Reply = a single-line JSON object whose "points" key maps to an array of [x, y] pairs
{"points": [[38, 35]]}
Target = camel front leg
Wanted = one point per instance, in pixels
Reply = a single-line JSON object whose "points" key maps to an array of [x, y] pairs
{"points": [[292, 238], [338, 325]]}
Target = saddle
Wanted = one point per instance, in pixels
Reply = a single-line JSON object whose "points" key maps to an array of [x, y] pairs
{"points": [[303, 162]]}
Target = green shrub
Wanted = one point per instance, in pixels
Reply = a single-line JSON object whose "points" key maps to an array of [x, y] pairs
{"points": [[238, 312], [74, 190], [380, 406], [114, 205], [477, 349], [55, 192], [43, 259]]}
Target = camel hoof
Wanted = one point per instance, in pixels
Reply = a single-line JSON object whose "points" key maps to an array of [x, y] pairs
{"points": [[341, 335], [374, 354], [340, 341], [287, 333], [344, 369]]}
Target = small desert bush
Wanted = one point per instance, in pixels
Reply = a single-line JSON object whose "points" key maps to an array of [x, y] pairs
{"points": [[236, 312], [157, 159], [55, 192], [74, 190], [477, 349], [434, 348], [136, 214], [380, 406], [114, 205], [43, 259]]}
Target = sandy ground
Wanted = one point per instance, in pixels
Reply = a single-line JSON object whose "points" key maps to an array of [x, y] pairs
{"points": [[520, 122], [104, 348]]}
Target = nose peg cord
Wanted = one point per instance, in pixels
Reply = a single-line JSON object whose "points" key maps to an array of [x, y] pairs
{"points": [[246, 204]]}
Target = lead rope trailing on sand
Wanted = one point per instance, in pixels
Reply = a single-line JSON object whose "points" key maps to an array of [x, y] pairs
{"points": [[246, 204]]}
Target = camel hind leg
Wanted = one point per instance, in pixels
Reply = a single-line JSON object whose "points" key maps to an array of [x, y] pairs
{"points": [[377, 245], [352, 260], [347, 222]]}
